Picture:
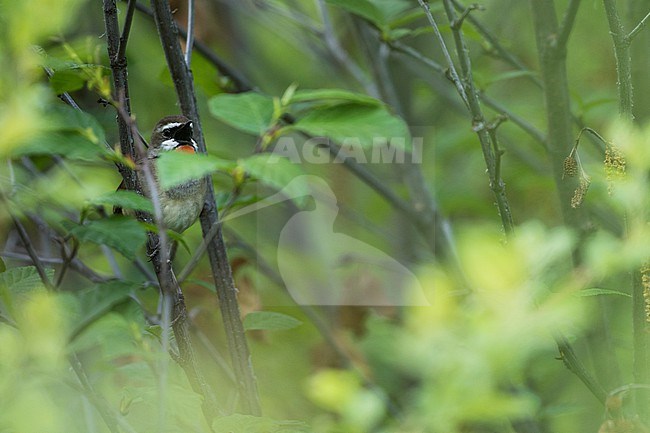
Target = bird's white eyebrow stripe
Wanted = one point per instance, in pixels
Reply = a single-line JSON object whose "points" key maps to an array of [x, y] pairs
{"points": [[170, 126]]}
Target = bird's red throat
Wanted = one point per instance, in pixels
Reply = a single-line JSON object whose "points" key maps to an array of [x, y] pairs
{"points": [[186, 148]]}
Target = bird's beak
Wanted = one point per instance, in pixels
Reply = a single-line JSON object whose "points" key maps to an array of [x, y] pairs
{"points": [[184, 133]]}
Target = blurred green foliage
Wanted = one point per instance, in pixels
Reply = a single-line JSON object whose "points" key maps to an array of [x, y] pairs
{"points": [[91, 356]]}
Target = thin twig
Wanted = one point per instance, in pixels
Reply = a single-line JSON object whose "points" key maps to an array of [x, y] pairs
{"points": [[479, 125], [27, 243], [189, 40], [76, 265], [341, 55], [67, 260], [126, 31], [111, 419], [504, 53], [567, 24], [526, 126], [537, 135], [450, 63], [635, 31], [239, 81]]}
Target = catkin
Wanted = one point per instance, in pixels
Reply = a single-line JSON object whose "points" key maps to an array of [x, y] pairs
{"points": [[645, 282], [570, 166], [614, 166], [580, 192]]}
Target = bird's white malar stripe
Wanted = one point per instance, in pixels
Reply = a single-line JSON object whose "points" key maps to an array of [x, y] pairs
{"points": [[195, 146], [169, 144]]}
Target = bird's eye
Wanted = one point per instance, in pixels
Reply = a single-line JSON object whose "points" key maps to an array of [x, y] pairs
{"points": [[167, 133]]}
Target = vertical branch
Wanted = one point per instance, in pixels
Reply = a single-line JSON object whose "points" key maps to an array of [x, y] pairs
{"points": [[469, 94], [450, 63], [560, 142], [120, 84], [623, 59], [622, 42], [557, 105], [226, 291], [156, 246]]}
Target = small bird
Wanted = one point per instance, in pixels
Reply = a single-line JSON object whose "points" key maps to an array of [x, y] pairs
{"points": [[181, 204]]}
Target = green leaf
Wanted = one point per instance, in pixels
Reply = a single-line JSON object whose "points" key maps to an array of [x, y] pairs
{"points": [[365, 124], [17, 284], [332, 95], [71, 146], [65, 118], [99, 300], [204, 76], [238, 423], [70, 133], [598, 292], [278, 173], [249, 112], [175, 168], [66, 80], [123, 234], [126, 200], [379, 12], [363, 8], [269, 320], [23, 280], [396, 34]]}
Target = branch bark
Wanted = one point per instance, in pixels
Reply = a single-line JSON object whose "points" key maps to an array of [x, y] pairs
{"points": [[156, 246], [623, 60], [560, 141], [468, 93], [226, 291]]}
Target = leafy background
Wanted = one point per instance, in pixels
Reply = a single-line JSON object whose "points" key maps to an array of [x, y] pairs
{"points": [[469, 362]]}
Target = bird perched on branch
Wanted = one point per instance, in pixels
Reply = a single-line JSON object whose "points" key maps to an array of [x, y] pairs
{"points": [[181, 204]]}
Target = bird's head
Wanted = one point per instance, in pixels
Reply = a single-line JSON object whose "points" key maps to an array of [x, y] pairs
{"points": [[173, 133]]}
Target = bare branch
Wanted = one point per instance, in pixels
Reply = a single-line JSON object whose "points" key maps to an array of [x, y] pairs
{"points": [[635, 31], [239, 81], [226, 291], [479, 124], [67, 260], [623, 60], [567, 24], [189, 39], [27, 243], [450, 63], [173, 299], [121, 51], [341, 55], [502, 52]]}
